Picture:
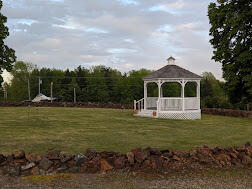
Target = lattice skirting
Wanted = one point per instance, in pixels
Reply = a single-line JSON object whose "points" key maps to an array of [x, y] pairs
{"points": [[180, 115]]}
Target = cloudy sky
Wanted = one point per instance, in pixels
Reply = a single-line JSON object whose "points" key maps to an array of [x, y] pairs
{"points": [[121, 34]]}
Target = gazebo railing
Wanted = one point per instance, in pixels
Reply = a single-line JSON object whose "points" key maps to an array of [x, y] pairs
{"points": [[176, 104], [170, 104], [139, 105], [151, 103], [192, 103]]}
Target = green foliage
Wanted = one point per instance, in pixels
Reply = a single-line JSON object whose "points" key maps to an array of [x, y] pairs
{"points": [[212, 93], [231, 31], [7, 55], [19, 84]]}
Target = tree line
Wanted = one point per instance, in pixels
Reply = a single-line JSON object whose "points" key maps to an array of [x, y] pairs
{"points": [[106, 85]]}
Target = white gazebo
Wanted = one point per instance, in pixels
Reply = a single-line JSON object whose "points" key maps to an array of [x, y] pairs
{"points": [[170, 107]]}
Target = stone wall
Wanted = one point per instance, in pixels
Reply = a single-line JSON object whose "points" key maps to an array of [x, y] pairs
{"points": [[18, 163], [227, 112], [68, 104]]}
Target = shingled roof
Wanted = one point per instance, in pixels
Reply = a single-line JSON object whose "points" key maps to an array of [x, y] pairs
{"points": [[171, 72]]}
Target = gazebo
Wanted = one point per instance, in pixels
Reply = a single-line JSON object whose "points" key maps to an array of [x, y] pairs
{"points": [[170, 107]]}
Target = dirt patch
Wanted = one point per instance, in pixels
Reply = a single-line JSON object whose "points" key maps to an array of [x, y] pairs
{"points": [[208, 178]]}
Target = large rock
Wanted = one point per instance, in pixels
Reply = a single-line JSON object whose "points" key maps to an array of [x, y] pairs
{"points": [[247, 144], [80, 158], [10, 159], [2, 158], [107, 154], [33, 157], [45, 164], [136, 150], [105, 165], [223, 157], [19, 154], [130, 156], [119, 163], [90, 153], [218, 150], [28, 166], [156, 162], [13, 170], [176, 158], [140, 156], [53, 153], [62, 169], [246, 160], [35, 171], [66, 157]]}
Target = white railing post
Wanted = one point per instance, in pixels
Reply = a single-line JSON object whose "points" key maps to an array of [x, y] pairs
{"points": [[134, 104], [158, 108]]}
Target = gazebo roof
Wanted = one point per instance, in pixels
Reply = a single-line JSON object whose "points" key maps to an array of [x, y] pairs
{"points": [[171, 72]]}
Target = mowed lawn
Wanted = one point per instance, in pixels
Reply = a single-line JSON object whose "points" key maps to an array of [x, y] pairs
{"points": [[75, 129]]}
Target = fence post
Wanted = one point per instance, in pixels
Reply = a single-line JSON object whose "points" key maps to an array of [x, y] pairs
{"points": [[134, 104], [51, 92], [74, 96]]}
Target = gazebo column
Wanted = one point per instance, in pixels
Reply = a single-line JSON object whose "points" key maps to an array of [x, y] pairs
{"points": [[145, 94], [159, 96], [198, 89], [198, 93], [159, 89], [183, 94]]}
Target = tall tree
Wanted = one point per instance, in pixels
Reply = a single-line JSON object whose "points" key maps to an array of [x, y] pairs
{"points": [[18, 88], [231, 32], [7, 55]]}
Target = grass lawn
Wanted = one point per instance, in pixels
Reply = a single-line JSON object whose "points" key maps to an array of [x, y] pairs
{"points": [[75, 129]]}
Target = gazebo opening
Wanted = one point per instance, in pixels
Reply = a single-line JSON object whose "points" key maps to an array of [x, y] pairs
{"points": [[152, 89], [171, 89], [191, 89], [170, 92]]}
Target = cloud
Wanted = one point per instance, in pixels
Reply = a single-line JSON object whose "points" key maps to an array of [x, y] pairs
{"points": [[122, 34]]}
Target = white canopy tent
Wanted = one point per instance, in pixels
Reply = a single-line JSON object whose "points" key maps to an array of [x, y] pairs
{"points": [[40, 97]]}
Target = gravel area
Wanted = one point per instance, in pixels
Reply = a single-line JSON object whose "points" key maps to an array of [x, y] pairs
{"points": [[230, 178]]}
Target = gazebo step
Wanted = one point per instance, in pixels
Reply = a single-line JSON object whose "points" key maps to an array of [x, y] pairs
{"points": [[145, 113]]}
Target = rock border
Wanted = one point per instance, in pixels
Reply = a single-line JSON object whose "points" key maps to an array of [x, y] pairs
{"points": [[53, 162]]}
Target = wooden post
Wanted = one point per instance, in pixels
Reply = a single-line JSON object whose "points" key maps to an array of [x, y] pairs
{"points": [[134, 104], [5, 96], [51, 92], [39, 85], [74, 96], [29, 90]]}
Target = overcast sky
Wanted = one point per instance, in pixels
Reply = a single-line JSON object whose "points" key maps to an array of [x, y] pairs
{"points": [[121, 34]]}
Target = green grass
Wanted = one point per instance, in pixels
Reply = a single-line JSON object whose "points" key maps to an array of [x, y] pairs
{"points": [[75, 129]]}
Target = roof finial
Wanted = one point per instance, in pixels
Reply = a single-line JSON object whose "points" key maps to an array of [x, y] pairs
{"points": [[171, 60]]}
